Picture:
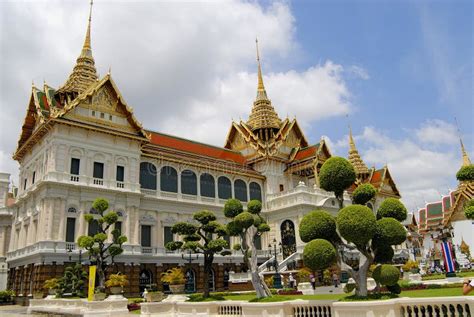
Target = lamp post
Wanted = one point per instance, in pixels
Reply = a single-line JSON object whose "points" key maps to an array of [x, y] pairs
{"points": [[189, 286], [276, 276], [69, 250]]}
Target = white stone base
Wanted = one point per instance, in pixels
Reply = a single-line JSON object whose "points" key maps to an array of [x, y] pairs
{"points": [[106, 308]]}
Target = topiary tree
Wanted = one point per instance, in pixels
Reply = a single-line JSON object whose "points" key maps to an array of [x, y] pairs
{"points": [[205, 237], [466, 173], [469, 209], [386, 274], [392, 207], [248, 225], [99, 249], [336, 175], [363, 194], [73, 281]]}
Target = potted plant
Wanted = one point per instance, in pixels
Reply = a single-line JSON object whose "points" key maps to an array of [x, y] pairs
{"points": [[175, 279], [52, 286], [98, 295], [116, 282]]}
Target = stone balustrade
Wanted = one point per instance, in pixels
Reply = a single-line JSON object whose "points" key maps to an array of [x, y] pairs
{"points": [[461, 306], [79, 307]]}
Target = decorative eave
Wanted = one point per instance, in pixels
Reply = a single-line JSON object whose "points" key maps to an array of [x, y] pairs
{"points": [[464, 192]]}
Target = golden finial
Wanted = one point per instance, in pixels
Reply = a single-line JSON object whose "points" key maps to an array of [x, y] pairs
{"points": [[351, 140], [465, 158], [110, 70], [87, 41], [260, 78]]}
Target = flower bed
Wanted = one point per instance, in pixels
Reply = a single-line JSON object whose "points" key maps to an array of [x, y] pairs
{"points": [[290, 292]]}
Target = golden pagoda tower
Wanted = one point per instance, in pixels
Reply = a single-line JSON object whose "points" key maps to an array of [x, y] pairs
{"points": [[466, 161], [84, 73], [263, 119], [354, 158]]}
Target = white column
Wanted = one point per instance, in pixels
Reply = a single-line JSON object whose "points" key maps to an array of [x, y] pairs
{"points": [[62, 220]]}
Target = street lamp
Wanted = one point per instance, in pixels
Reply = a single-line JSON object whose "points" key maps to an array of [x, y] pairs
{"points": [[276, 276], [69, 250], [189, 286]]}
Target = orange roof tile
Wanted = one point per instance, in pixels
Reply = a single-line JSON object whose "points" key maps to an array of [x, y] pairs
{"points": [[376, 177], [180, 144], [306, 152]]}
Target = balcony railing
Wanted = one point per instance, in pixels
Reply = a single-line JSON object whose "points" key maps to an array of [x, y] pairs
{"points": [[98, 181], [74, 178]]}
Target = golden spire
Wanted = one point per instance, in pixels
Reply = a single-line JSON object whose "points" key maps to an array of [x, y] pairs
{"points": [[263, 115], [354, 157], [261, 93], [465, 158], [84, 72]]}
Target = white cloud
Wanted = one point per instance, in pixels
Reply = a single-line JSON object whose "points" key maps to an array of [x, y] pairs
{"points": [[437, 132], [185, 68], [360, 72], [422, 172]]}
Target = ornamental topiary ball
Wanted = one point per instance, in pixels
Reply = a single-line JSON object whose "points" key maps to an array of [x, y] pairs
{"points": [[392, 207], [384, 254], [336, 175], [318, 224], [319, 254], [390, 232], [386, 274], [466, 173], [469, 212], [363, 194], [232, 208], [356, 223], [394, 289], [254, 206], [244, 220]]}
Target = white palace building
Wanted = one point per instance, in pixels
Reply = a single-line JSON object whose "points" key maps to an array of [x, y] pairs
{"points": [[82, 141]]}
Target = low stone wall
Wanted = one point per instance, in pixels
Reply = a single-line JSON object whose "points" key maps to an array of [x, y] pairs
{"points": [[80, 307], [400, 307]]}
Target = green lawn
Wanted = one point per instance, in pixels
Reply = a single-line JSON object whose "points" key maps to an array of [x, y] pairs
{"points": [[441, 292], [442, 276]]}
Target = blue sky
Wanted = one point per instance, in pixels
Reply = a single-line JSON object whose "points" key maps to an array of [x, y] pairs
{"points": [[400, 70], [418, 56]]}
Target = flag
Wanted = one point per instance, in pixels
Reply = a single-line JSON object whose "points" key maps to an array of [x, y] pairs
{"points": [[448, 257]]}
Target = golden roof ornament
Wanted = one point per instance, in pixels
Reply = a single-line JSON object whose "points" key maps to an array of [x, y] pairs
{"points": [[354, 157], [465, 158], [84, 72], [263, 115]]}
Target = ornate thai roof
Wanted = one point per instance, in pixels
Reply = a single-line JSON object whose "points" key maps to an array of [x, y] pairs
{"points": [[263, 115], [84, 73], [354, 157]]}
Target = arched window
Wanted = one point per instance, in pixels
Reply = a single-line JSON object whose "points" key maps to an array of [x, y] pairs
{"points": [[255, 191], [169, 179], [188, 182], [224, 188], [240, 190], [147, 175], [208, 188]]}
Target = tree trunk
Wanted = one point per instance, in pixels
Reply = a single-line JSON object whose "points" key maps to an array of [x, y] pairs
{"points": [[208, 259], [258, 284], [361, 281], [340, 200]]}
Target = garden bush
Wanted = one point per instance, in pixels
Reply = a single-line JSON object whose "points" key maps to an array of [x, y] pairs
{"points": [[319, 254], [386, 274], [356, 223], [392, 207], [363, 194], [318, 224]]}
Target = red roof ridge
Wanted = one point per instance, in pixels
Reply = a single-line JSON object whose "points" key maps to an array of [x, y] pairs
{"points": [[192, 141]]}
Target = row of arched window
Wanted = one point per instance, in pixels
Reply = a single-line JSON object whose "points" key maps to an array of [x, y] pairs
{"points": [[189, 182]]}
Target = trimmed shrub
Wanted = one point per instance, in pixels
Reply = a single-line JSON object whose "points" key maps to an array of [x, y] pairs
{"points": [[204, 216], [336, 175], [254, 206], [384, 254], [318, 224], [469, 212], [389, 232], [363, 194], [356, 223], [394, 289], [244, 220], [319, 254], [100, 205], [392, 207], [232, 208], [466, 173], [386, 274]]}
